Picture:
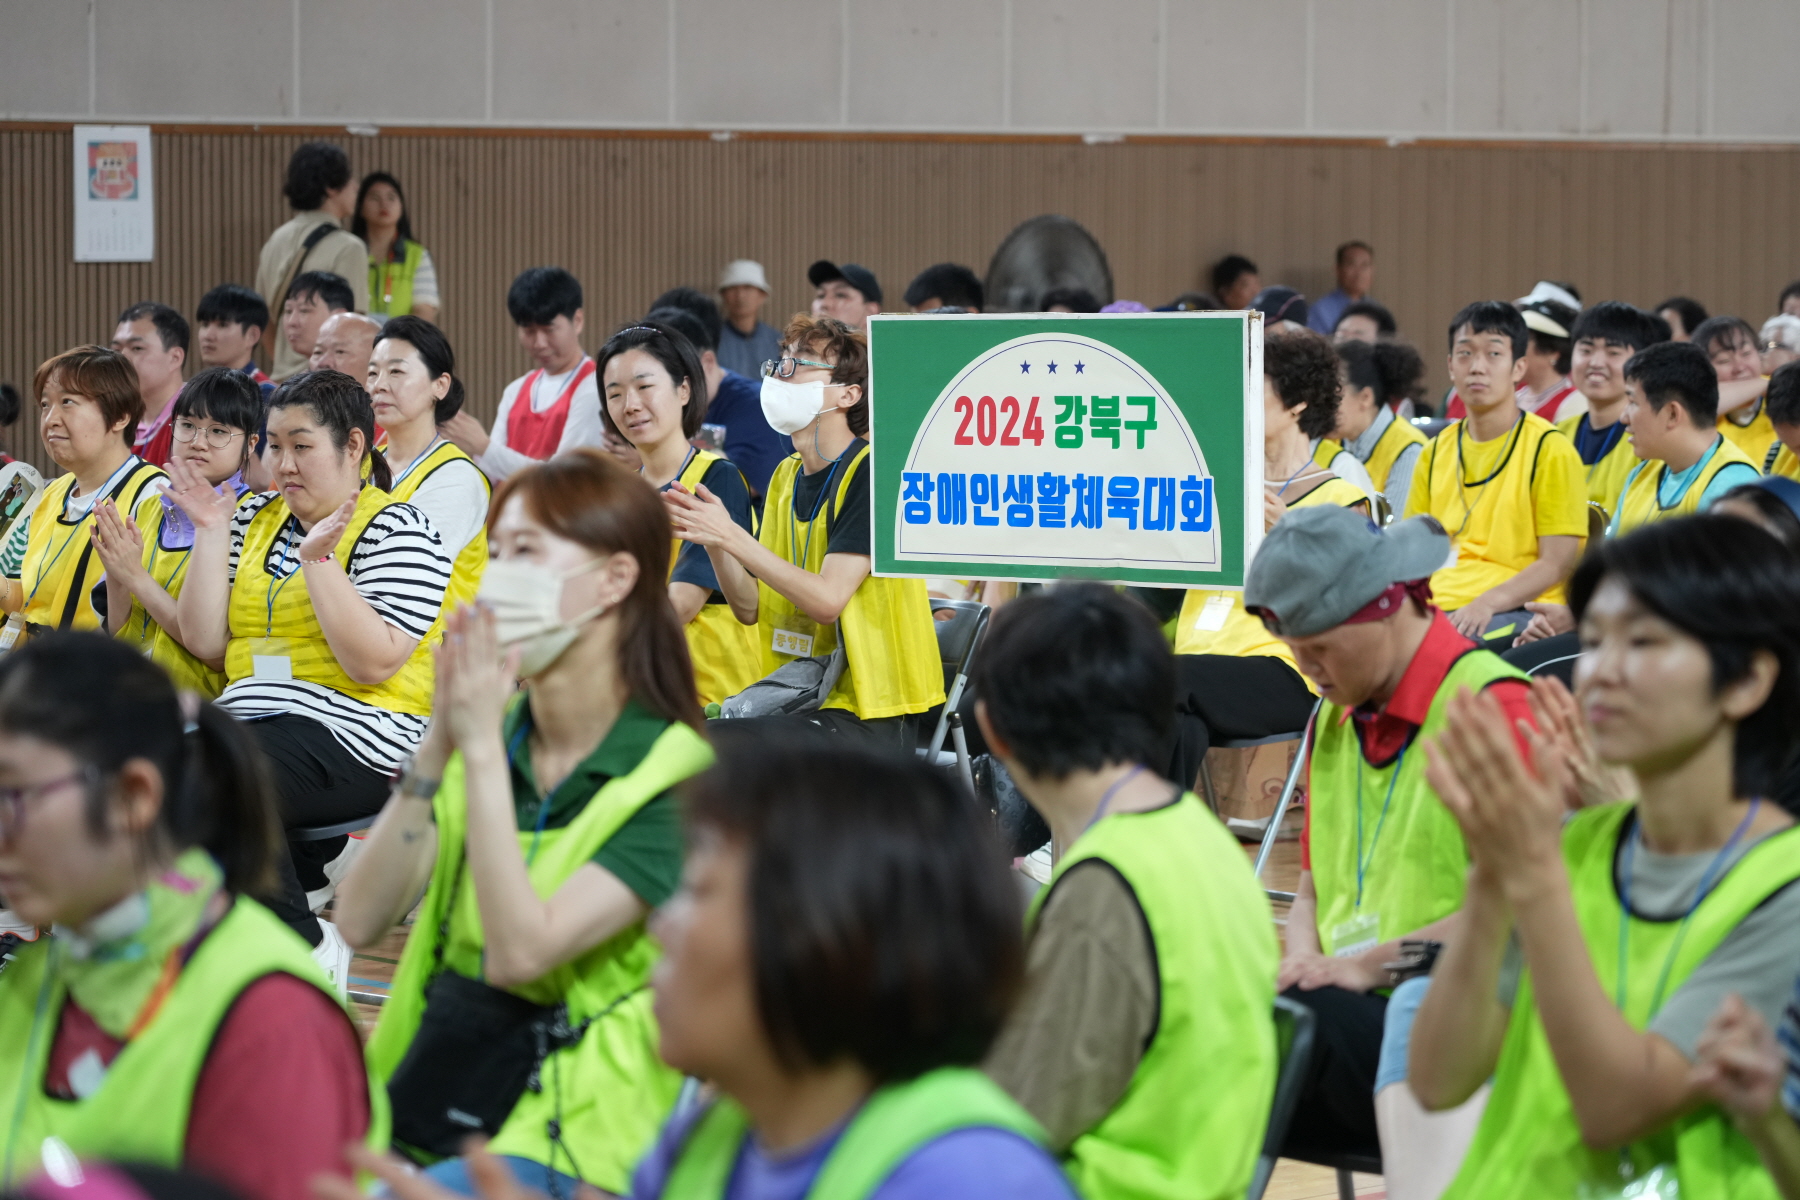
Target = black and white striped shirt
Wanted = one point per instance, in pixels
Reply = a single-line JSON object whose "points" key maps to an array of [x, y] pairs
{"points": [[399, 566]]}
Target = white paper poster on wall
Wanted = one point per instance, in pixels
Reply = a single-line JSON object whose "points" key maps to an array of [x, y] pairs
{"points": [[115, 203]]}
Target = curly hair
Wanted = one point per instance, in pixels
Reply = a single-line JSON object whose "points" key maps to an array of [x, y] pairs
{"points": [[845, 348], [1304, 369]]}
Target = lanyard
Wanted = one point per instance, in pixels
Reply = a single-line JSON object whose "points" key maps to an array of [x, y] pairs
{"points": [[106, 489], [1106, 800], [401, 477], [281, 581], [1363, 860], [812, 517], [682, 470], [155, 546], [1699, 471], [1707, 881], [1464, 483]]}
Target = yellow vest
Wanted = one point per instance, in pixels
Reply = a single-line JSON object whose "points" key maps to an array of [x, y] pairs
{"points": [[472, 559], [1606, 477], [1779, 460], [1388, 447], [168, 568], [892, 666], [1639, 502], [723, 648], [270, 616], [61, 566], [1198, 629], [1753, 439]]}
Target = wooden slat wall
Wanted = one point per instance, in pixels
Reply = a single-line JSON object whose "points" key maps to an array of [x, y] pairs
{"points": [[632, 215]]}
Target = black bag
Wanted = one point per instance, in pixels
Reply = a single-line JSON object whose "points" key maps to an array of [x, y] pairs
{"points": [[476, 1051]]}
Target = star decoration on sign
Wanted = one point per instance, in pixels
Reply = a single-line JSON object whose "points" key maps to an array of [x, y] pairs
{"points": [[1024, 368], [1052, 367], [1079, 366]]}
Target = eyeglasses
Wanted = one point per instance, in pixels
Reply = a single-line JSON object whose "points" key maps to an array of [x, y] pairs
{"points": [[783, 368], [217, 436], [12, 800]]}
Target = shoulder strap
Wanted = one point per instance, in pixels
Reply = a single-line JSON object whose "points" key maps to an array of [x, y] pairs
{"points": [[1769, 458], [72, 603], [278, 300]]}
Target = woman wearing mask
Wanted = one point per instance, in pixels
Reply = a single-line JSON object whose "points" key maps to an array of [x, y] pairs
{"points": [[320, 600], [1633, 921], [214, 428], [414, 389], [402, 277], [545, 825], [88, 407], [655, 398], [810, 561], [168, 1019]]}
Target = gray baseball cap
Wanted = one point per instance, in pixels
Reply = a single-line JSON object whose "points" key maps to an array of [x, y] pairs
{"points": [[1320, 565]]}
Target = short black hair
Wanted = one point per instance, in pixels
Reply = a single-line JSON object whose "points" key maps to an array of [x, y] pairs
{"points": [[225, 395], [1078, 677], [951, 283], [1733, 331], [1731, 586], [1353, 244], [1691, 312], [434, 352], [1791, 290], [332, 289], [339, 404], [315, 169], [667, 335], [1783, 397], [1391, 369], [1229, 269], [705, 311], [1385, 325], [541, 294], [1303, 366], [885, 926], [233, 304], [1776, 511], [360, 226], [10, 404], [1620, 324], [1492, 316], [1677, 371], [1075, 299], [171, 326]]}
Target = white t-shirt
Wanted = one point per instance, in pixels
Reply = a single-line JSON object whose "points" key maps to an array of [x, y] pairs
{"points": [[454, 497], [583, 428]]}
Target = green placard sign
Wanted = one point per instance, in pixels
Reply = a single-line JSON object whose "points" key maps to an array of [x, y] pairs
{"points": [[1122, 447]]}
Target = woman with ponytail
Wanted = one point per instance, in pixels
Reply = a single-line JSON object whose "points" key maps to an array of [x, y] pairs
{"points": [[544, 822], [164, 1017], [320, 600], [413, 386], [1374, 379]]}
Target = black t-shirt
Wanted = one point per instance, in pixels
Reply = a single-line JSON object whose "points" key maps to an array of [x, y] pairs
{"points": [[848, 526], [725, 481]]}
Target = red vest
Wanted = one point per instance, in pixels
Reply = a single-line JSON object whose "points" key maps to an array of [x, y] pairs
{"points": [[538, 434]]}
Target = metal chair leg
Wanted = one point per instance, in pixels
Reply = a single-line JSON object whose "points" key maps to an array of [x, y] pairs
{"points": [[1346, 1185], [961, 741], [1207, 790], [1281, 807]]}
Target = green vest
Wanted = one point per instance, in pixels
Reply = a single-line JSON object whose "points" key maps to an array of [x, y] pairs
{"points": [[611, 1091], [896, 1121], [1417, 864], [1529, 1143], [391, 283], [140, 1112], [1214, 941]]}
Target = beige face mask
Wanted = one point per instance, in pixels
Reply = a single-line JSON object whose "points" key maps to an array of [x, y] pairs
{"points": [[526, 600]]}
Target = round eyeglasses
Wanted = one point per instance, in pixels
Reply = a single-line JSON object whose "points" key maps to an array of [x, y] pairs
{"points": [[217, 436]]}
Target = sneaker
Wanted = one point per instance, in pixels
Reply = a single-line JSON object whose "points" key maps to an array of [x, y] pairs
{"points": [[333, 954], [9, 945], [335, 870]]}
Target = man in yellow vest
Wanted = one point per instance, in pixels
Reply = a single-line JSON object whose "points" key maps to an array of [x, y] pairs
{"points": [[1605, 337], [1784, 413], [1381, 860], [1143, 1043], [1671, 410]]}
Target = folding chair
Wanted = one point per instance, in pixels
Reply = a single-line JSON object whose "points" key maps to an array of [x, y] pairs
{"points": [[318, 833], [1287, 794], [1597, 520], [1293, 1054], [1347, 1166], [958, 638]]}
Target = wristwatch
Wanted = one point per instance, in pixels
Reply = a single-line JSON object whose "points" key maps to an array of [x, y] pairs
{"points": [[409, 782]]}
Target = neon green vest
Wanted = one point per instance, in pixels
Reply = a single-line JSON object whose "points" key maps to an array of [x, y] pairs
{"points": [[1417, 864], [1529, 1143], [896, 1121], [611, 1091], [1214, 940], [391, 283], [140, 1112]]}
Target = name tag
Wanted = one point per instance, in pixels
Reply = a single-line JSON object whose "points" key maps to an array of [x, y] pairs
{"points": [[1361, 932], [786, 641], [1214, 613], [271, 666]]}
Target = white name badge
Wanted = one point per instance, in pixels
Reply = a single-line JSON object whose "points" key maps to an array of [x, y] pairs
{"points": [[271, 666], [786, 641], [1214, 613], [1360, 933]]}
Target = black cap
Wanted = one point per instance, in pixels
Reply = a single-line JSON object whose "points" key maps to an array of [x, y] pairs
{"points": [[860, 278], [1279, 303]]}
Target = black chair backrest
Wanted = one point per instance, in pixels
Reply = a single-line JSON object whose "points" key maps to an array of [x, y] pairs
{"points": [[1293, 1053], [958, 634]]}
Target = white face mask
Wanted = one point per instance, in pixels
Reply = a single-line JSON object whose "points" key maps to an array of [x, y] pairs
{"points": [[526, 600], [791, 407]]}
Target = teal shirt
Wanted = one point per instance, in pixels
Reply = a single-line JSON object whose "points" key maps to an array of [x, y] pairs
{"points": [[1674, 484], [646, 852]]}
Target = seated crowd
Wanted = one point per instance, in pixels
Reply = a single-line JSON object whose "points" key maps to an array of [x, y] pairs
{"points": [[666, 937]]}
